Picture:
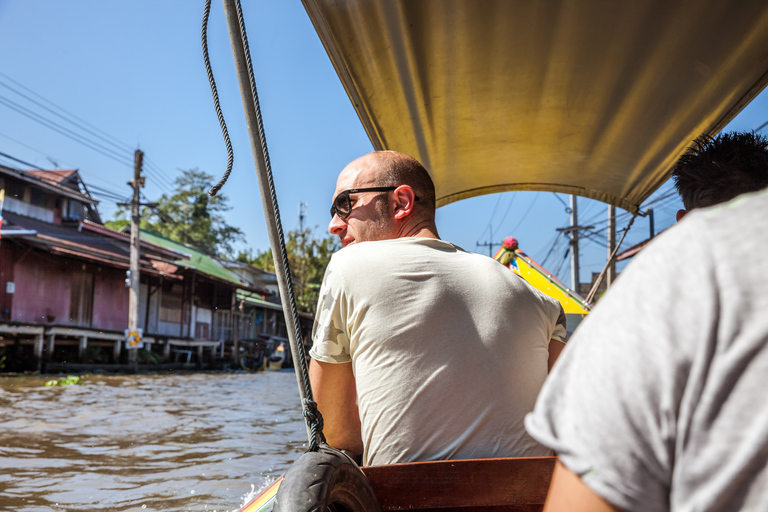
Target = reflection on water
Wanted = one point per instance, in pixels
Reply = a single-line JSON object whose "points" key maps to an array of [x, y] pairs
{"points": [[194, 442]]}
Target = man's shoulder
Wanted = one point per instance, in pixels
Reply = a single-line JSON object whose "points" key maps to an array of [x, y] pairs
{"points": [[364, 251]]}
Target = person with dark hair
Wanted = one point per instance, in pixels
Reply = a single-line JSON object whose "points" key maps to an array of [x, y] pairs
{"points": [[716, 170], [659, 403], [418, 344]]}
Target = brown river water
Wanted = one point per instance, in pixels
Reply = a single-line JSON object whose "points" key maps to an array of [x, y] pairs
{"points": [[191, 442]]}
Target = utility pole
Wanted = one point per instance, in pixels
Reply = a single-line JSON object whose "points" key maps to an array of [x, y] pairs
{"points": [[611, 274], [573, 232], [133, 295], [488, 244], [302, 215], [574, 244], [649, 213]]}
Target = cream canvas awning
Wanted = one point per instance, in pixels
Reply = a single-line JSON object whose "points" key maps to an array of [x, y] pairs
{"points": [[590, 97]]}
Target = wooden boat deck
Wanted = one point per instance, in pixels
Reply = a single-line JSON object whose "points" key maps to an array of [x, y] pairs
{"points": [[487, 485]]}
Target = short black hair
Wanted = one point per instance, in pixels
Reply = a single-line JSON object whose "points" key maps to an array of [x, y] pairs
{"points": [[402, 169], [715, 170]]}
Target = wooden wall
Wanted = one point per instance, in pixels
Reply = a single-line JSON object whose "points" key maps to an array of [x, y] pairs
{"points": [[110, 300], [42, 288]]}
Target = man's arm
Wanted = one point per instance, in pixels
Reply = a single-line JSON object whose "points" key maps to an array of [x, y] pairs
{"points": [[555, 348], [333, 387], [567, 493]]}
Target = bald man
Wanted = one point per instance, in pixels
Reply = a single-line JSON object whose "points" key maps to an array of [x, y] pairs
{"points": [[422, 351]]}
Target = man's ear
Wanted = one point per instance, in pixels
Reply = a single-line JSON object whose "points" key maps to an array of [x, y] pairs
{"points": [[680, 215], [404, 200]]}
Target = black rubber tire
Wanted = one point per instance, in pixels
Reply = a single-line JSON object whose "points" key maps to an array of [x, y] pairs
{"points": [[325, 480]]}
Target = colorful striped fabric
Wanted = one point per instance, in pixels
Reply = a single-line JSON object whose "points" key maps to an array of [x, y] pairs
{"points": [[263, 502]]}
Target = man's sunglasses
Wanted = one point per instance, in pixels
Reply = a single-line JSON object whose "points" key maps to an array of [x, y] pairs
{"points": [[342, 205]]}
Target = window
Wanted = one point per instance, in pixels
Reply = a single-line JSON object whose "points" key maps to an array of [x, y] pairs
{"points": [[74, 210], [38, 198]]}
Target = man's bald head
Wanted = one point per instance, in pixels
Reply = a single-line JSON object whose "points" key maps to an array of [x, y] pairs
{"points": [[390, 168]]}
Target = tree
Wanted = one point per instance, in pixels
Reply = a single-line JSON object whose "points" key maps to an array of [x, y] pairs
{"points": [[307, 257], [189, 216]]}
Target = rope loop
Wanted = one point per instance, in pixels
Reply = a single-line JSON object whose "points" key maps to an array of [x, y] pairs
{"points": [[315, 422], [217, 105]]}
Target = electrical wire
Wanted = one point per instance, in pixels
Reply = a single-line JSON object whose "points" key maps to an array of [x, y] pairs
{"points": [[51, 159], [490, 219], [65, 132], [506, 212], [68, 113], [110, 143], [526, 213]]}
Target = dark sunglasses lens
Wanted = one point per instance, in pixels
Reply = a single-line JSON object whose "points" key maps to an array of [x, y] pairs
{"points": [[341, 206]]}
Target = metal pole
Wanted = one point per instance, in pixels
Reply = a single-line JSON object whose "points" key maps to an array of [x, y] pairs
{"points": [[649, 212], [610, 276], [271, 214], [133, 294], [574, 245]]}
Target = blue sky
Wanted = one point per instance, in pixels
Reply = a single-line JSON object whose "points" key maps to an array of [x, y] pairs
{"points": [[134, 72]]}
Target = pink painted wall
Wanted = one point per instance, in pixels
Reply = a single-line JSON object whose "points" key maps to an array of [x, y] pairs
{"points": [[110, 300], [42, 289]]}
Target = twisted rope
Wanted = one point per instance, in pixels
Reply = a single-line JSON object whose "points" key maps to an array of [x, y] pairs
{"points": [[230, 155]]}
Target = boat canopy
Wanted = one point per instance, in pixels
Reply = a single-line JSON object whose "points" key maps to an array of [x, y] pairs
{"points": [[587, 97]]}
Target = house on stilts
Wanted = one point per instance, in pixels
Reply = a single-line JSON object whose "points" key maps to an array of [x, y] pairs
{"points": [[64, 300]]}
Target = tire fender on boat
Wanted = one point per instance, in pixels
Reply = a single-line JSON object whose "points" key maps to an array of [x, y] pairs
{"points": [[320, 479]]}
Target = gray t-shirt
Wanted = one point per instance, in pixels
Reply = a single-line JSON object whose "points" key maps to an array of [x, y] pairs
{"points": [[659, 400], [448, 348]]}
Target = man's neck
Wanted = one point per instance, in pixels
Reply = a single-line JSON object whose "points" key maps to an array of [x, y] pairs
{"points": [[422, 229]]}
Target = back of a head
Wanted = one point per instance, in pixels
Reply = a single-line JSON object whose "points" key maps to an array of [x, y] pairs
{"points": [[401, 169], [716, 170]]}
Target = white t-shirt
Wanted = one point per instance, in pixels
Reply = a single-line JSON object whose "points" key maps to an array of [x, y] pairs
{"points": [[660, 400], [449, 349]]}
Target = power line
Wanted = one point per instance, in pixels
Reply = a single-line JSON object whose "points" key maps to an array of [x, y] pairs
{"points": [[49, 157], [506, 212], [63, 131], [160, 177], [162, 174], [115, 140], [526, 213], [490, 220], [18, 160]]}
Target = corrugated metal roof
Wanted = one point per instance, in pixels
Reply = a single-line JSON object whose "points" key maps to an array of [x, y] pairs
{"points": [[56, 176], [194, 258]]}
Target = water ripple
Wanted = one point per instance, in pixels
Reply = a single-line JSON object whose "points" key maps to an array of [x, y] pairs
{"points": [[195, 442]]}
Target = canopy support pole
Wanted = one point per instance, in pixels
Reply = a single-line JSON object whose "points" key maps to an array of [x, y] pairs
{"points": [[239, 42]]}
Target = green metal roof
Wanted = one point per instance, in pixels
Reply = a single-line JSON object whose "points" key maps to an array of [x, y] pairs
{"points": [[256, 300], [195, 259]]}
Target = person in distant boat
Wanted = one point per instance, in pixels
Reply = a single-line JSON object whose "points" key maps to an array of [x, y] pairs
{"points": [[422, 351], [716, 170], [659, 401]]}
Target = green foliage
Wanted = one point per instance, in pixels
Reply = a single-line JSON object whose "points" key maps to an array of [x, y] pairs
{"points": [[149, 357], [95, 354], [189, 216], [71, 380], [307, 257], [119, 224]]}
